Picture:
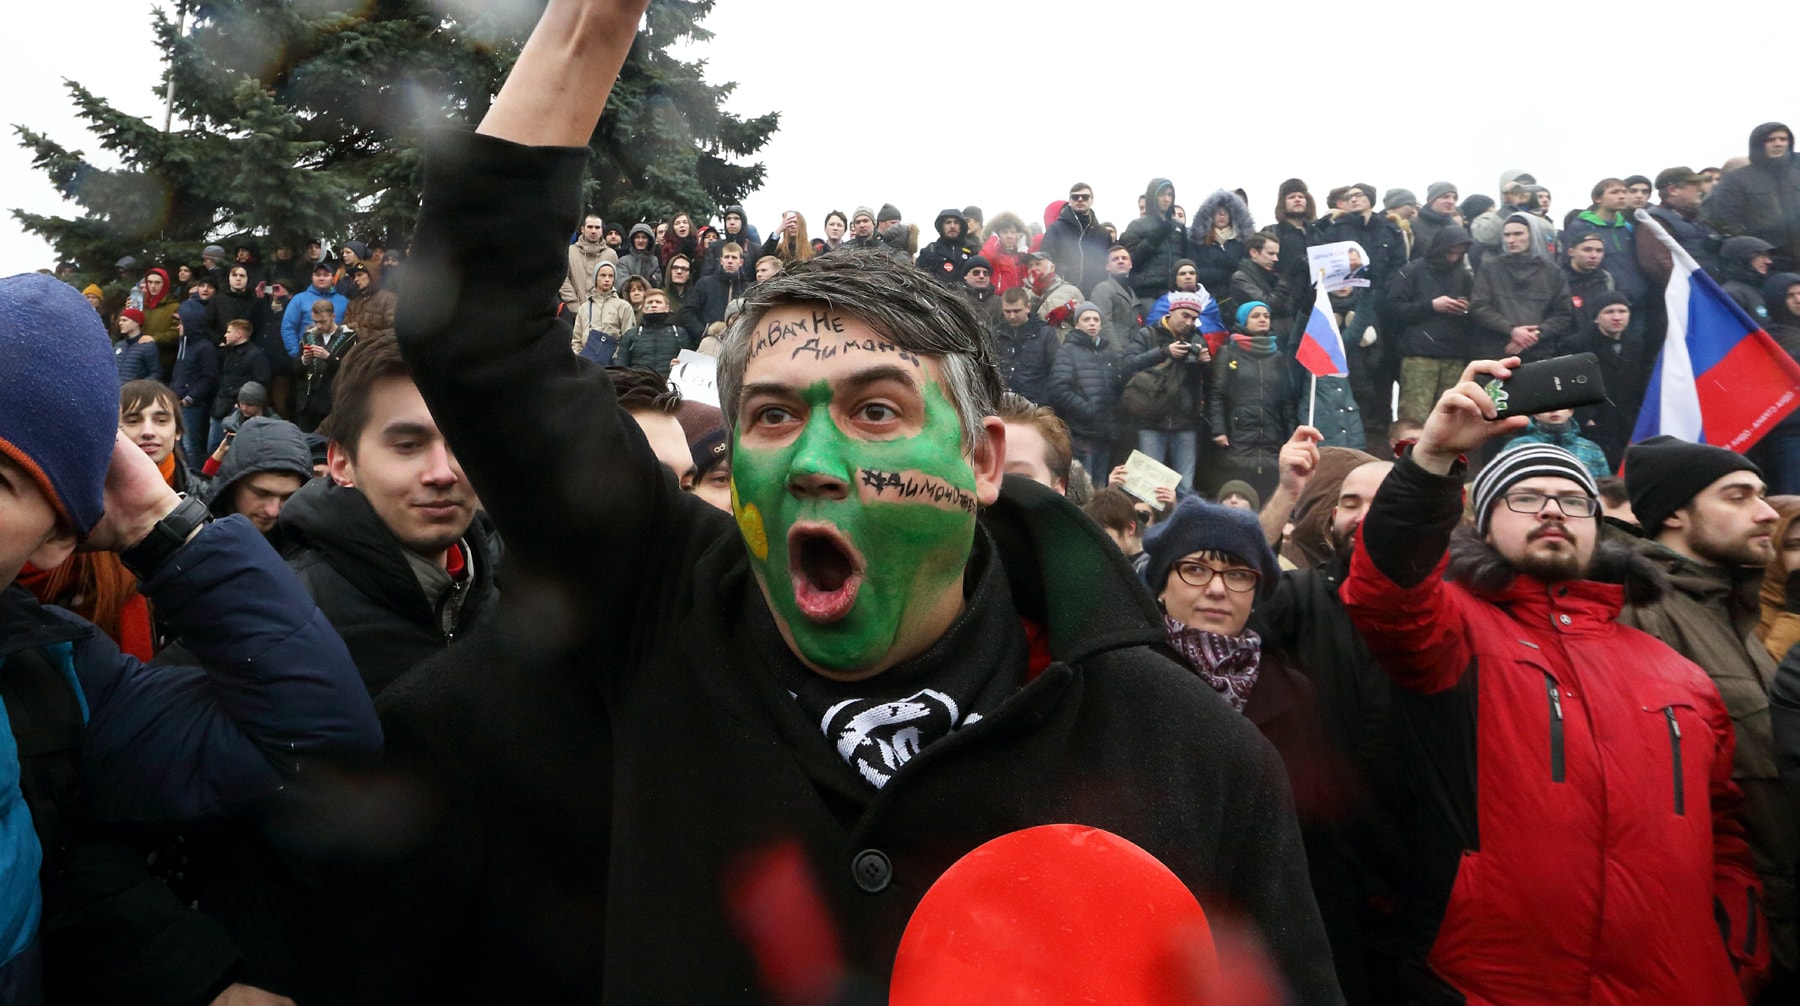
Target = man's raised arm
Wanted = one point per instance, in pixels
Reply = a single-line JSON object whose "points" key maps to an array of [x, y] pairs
{"points": [[566, 475]]}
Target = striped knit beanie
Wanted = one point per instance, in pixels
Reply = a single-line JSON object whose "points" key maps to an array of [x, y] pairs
{"points": [[1515, 466]]}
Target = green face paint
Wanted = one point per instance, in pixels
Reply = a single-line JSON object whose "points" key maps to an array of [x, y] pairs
{"points": [[909, 518]]}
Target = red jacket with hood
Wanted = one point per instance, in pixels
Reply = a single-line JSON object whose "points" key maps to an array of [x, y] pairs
{"points": [[1577, 836]]}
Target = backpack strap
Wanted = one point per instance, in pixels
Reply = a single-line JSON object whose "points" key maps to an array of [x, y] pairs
{"points": [[47, 720]]}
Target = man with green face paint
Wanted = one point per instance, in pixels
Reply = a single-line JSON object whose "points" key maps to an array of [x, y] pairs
{"points": [[697, 729]]}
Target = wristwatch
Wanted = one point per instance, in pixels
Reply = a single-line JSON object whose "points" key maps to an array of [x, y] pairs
{"points": [[169, 534]]}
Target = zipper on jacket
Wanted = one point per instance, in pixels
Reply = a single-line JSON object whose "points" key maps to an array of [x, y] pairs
{"points": [[1556, 730], [1750, 925], [1675, 756]]}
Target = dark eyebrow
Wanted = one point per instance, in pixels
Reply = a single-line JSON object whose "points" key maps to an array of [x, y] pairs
{"points": [[855, 381], [405, 429]]}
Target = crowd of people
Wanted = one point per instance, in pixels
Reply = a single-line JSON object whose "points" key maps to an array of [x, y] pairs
{"points": [[697, 703]]}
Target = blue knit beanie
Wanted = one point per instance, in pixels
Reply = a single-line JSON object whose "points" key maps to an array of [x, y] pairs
{"points": [[1199, 526], [1243, 315], [59, 393]]}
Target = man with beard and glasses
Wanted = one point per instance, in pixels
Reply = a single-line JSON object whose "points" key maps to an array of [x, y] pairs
{"points": [[1568, 794], [1708, 528], [692, 729]]}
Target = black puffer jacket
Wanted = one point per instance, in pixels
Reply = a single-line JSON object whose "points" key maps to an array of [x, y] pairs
{"points": [[1078, 247], [1519, 288], [1763, 199], [1215, 262], [238, 364], [1253, 282], [1149, 347], [1026, 355], [1405, 304], [1156, 240], [359, 574], [1085, 382], [946, 258], [1252, 404]]}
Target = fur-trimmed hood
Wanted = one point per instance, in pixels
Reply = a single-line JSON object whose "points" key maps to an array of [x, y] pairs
{"points": [[1474, 562], [1201, 225]]}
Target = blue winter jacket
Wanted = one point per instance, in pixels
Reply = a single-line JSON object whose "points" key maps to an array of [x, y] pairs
{"points": [[299, 315], [164, 744]]}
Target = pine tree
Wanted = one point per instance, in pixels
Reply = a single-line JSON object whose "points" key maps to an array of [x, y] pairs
{"points": [[304, 118]]}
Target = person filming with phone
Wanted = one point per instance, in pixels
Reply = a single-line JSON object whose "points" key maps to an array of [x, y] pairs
{"points": [[1570, 789]]}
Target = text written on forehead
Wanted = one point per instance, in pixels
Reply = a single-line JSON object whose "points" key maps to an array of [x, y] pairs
{"points": [[825, 349], [777, 332], [913, 486]]}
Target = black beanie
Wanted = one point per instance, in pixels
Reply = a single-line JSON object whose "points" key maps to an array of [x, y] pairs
{"points": [[1663, 474], [1199, 526], [1607, 299], [978, 262]]}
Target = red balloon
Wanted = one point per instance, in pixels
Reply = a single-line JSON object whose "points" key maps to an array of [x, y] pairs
{"points": [[1060, 913]]}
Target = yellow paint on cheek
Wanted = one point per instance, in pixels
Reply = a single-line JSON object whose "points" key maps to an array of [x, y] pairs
{"points": [[750, 524]]}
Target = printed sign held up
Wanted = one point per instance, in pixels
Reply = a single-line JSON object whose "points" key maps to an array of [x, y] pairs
{"points": [[1340, 262], [696, 376]]}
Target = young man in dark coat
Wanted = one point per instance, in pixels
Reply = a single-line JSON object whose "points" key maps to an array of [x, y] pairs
{"points": [[1155, 240], [1025, 348], [947, 257], [1426, 311], [239, 362], [391, 544], [722, 703], [1762, 199], [1077, 240]]}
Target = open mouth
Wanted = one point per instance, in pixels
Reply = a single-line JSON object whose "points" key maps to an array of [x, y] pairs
{"points": [[827, 572]]}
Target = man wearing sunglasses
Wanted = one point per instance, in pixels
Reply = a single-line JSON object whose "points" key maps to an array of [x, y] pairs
{"points": [[1078, 240], [1569, 778], [978, 286]]}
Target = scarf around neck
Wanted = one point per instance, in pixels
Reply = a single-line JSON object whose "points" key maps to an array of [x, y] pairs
{"points": [[1228, 663], [1255, 345]]}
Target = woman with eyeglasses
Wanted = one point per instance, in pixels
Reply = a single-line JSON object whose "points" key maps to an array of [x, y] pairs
{"points": [[1208, 566], [678, 279]]}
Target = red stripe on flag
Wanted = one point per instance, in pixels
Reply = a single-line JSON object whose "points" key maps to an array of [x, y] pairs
{"points": [[1315, 358], [1750, 389]]}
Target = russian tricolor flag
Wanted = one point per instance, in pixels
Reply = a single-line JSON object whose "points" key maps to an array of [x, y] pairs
{"points": [[1321, 349], [1720, 379]]}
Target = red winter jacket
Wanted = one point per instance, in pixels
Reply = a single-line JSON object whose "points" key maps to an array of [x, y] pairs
{"points": [[1577, 836]]}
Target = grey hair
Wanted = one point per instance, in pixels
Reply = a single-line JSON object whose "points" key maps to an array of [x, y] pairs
{"points": [[898, 301]]}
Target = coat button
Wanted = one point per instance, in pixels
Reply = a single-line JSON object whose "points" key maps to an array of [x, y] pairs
{"points": [[873, 870], [1564, 619]]}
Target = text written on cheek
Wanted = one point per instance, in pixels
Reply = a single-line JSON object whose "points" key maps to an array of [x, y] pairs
{"points": [[913, 487]]}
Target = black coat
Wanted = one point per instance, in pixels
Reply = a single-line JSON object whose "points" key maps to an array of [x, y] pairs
{"points": [[705, 303], [1214, 264], [1156, 241], [1026, 354], [595, 785], [237, 365], [357, 571], [1252, 404], [1149, 347], [1253, 282], [1078, 248], [1405, 303], [1378, 236], [196, 376], [1358, 878], [1085, 383]]}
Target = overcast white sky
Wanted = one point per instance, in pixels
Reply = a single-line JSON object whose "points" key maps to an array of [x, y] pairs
{"points": [[1003, 104]]}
